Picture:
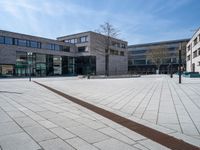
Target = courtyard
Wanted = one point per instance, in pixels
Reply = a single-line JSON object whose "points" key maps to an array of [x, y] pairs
{"points": [[35, 118]]}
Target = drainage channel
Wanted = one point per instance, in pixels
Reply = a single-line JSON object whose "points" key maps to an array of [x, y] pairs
{"points": [[159, 137]]}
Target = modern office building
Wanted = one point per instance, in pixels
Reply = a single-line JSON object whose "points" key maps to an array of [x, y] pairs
{"points": [[193, 53], [138, 62], [47, 57], [91, 50]]}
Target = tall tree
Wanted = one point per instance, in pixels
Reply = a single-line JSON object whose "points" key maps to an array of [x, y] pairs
{"points": [[157, 54], [109, 31]]}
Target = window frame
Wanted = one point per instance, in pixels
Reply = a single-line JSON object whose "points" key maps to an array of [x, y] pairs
{"points": [[6, 37], [3, 41]]}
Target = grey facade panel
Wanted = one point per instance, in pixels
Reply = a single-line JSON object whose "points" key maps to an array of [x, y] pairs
{"points": [[93, 47]]}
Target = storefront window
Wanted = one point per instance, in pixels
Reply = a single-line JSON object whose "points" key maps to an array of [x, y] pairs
{"points": [[40, 65], [21, 67], [57, 65], [6, 70]]}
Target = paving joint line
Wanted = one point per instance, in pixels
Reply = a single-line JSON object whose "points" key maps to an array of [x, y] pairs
{"points": [[142, 100], [157, 136], [132, 96], [186, 109], [175, 106], [149, 101], [160, 97]]}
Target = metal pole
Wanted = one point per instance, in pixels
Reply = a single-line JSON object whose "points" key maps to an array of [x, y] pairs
{"points": [[180, 61], [171, 73], [29, 72], [29, 64]]}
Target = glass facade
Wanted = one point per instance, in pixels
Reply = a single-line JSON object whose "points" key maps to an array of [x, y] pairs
{"points": [[8, 40], [6, 70], [86, 65], [49, 65], [21, 67], [43, 65], [1, 40], [40, 65], [57, 65], [33, 44]]}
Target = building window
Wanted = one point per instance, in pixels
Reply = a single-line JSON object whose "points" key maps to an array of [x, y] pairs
{"points": [[6, 70], [195, 41], [188, 57], [33, 44], [199, 51], [15, 41], [21, 42], [28, 43], [189, 48], [123, 45], [8, 40], [39, 44], [113, 52], [52, 47], [139, 62], [48, 46], [57, 47], [67, 41], [195, 54], [1, 39], [199, 37], [115, 44], [121, 53], [66, 48], [73, 41], [81, 49], [83, 39], [138, 52]]}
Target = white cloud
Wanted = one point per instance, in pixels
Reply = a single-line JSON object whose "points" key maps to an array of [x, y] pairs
{"points": [[56, 18]]}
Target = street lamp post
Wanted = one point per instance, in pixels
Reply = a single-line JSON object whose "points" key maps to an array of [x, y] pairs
{"points": [[29, 64], [179, 65], [171, 69]]}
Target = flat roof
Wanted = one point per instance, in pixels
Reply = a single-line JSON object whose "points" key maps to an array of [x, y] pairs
{"points": [[36, 37], [66, 36], [160, 42]]}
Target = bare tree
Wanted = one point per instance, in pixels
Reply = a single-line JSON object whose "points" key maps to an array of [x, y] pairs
{"points": [[183, 53], [109, 32], [157, 54]]}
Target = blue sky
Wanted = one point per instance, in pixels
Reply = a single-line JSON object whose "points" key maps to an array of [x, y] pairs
{"points": [[139, 21]]}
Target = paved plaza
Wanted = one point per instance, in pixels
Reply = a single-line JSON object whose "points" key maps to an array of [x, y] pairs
{"points": [[34, 118]]}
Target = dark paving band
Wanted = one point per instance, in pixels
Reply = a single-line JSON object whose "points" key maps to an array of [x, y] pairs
{"points": [[159, 137]]}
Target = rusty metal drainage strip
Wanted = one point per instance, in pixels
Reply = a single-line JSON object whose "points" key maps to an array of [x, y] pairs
{"points": [[159, 137]]}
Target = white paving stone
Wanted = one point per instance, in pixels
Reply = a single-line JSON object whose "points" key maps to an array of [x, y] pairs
{"points": [[47, 124], [39, 133], [50, 119], [62, 133], [115, 134], [19, 141], [80, 144], [26, 122], [56, 144], [9, 128], [88, 134], [113, 144], [153, 145]]}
